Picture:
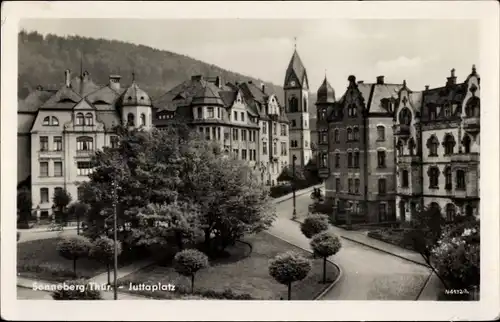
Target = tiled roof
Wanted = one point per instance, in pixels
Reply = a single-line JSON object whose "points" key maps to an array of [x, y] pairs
{"points": [[439, 96], [33, 101], [325, 93], [208, 94], [134, 96], [382, 91], [65, 98], [104, 95], [83, 85], [228, 97], [296, 67]]}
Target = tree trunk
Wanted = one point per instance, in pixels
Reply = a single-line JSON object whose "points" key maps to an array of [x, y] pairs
{"points": [[109, 278], [289, 291], [324, 270], [77, 224], [192, 283], [207, 240], [178, 238], [74, 267]]}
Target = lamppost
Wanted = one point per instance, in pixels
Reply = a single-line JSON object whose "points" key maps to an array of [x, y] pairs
{"points": [[348, 218], [294, 158]]}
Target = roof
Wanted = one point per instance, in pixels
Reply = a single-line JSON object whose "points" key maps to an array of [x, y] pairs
{"points": [[208, 94], [228, 97], [83, 85], [325, 93], [415, 99], [104, 95], [380, 92], [439, 96], [134, 96], [34, 100], [64, 98], [296, 67]]}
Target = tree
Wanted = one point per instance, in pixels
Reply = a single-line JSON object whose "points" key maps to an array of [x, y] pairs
{"points": [[74, 248], [103, 250], [79, 289], [324, 245], [174, 223], [188, 262], [287, 174], [61, 199], [289, 267], [78, 210], [314, 224], [23, 207]]}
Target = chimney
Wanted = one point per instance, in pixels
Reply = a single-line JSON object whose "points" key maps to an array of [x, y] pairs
{"points": [[218, 81], [67, 77], [380, 79], [426, 87], [361, 82], [114, 82], [452, 80], [263, 87]]}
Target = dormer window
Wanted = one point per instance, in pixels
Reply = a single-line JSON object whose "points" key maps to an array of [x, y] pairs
{"points": [[46, 121], [54, 121], [405, 116]]}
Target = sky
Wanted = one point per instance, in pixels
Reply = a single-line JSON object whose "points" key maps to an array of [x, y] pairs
{"points": [[422, 52]]}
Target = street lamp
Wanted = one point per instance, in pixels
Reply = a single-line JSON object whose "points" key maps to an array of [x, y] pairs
{"points": [[294, 158]]}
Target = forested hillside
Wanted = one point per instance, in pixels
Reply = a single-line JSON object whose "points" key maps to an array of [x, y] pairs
{"points": [[42, 61]]}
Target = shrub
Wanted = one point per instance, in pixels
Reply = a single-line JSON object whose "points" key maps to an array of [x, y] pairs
{"points": [[281, 190], [73, 248], [324, 245], [314, 224], [289, 267], [76, 290], [190, 261], [103, 250]]}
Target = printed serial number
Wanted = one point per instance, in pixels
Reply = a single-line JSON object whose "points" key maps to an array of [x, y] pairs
{"points": [[456, 292]]}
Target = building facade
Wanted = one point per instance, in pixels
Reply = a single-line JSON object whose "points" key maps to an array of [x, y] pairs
{"points": [[60, 130], [438, 141], [361, 160], [296, 88], [246, 120]]}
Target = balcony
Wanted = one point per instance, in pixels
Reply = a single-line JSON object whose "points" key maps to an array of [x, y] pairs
{"points": [[468, 193], [50, 153], [324, 172], [472, 124], [465, 158], [84, 153], [402, 130], [409, 159]]}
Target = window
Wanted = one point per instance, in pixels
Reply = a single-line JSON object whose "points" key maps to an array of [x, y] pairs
{"points": [[130, 119], [57, 143], [405, 182], [44, 195], [466, 142], [89, 119], [356, 159], [244, 154], [352, 111], [305, 124], [236, 153], [349, 159], [283, 130], [324, 160], [264, 147], [218, 112], [450, 212], [84, 143], [337, 184], [207, 133], [306, 143], [243, 116], [380, 133], [349, 134], [349, 185], [337, 160], [210, 112], [264, 127], [322, 114], [44, 143], [235, 116], [79, 119], [143, 119], [214, 133], [283, 148], [305, 104], [381, 159], [447, 110], [199, 112], [447, 178], [382, 188], [405, 116], [411, 146], [460, 180], [58, 169], [472, 108], [114, 141], [218, 133], [294, 105], [336, 135], [432, 145], [83, 168], [449, 144], [432, 113], [235, 134], [80, 193], [382, 211], [324, 138], [275, 128], [44, 169], [356, 186], [356, 134], [46, 121], [433, 174], [400, 148], [275, 148]]}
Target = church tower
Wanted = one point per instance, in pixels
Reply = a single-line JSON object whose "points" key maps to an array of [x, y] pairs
{"points": [[296, 89]]}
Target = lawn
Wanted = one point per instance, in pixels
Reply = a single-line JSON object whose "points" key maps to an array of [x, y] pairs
{"points": [[395, 236], [40, 259], [247, 276]]}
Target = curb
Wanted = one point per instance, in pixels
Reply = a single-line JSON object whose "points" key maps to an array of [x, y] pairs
{"points": [[385, 251], [297, 194], [332, 284], [425, 285]]}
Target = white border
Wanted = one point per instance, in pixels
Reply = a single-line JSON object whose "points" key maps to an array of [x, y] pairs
{"points": [[488, 308]]}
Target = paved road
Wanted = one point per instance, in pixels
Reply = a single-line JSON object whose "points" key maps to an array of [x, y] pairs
{"points": [[27, 235], [367, 274]]}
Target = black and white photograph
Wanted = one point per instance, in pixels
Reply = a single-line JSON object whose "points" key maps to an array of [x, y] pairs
{"points": [[241, 158]]}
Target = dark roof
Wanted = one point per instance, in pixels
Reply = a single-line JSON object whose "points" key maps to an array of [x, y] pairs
{"points": [[64, 98], [228, 97], [104, 95], [34, 100], [325, 93], [296, 67], [380, 92], [83, 85], [208, 94], [134, 96], [439, 96]]}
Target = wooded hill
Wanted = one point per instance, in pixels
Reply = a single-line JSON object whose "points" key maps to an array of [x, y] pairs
{"points": [[43, 59]]}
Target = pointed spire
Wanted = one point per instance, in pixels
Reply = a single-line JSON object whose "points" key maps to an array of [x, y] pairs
{"points": [[404, 82], [295, 43], [474, 69]]}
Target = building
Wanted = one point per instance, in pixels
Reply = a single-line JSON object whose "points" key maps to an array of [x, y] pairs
{"points": [[247, 121], [437, 139], [361, 149], [296, 87], [59, 131]]}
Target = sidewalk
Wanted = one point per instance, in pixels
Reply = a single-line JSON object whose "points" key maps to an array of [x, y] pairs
{"points": [[44, 229], [123, 271], [297, 193]]}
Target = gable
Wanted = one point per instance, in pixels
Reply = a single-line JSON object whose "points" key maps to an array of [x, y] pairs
{"points": [[83, 105]]}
